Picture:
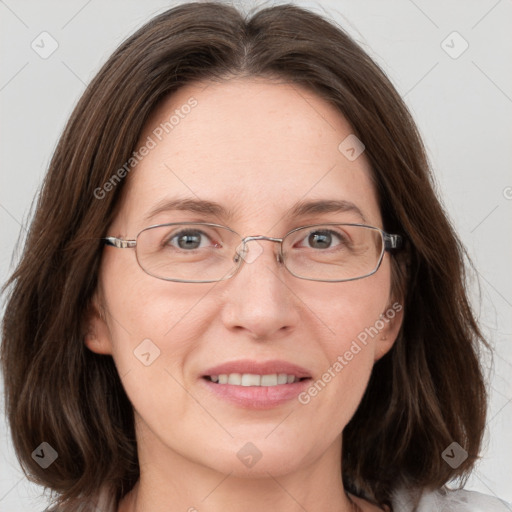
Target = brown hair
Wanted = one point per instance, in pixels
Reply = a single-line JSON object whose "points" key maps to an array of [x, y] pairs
{"points": [[427, 392]]}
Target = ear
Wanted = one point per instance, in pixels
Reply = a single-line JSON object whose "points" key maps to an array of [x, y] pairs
{"points": [[390, 321], [97, 333]]}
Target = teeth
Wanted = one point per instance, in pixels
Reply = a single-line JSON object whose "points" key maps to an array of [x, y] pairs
{"points": [[235, 378], [269, 380], [282, 378], [251, 379]]}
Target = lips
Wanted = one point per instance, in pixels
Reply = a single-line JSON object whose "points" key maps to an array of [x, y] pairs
{"points": [[256, 385]]}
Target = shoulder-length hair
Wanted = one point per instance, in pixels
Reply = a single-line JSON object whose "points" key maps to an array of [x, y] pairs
{"points": [[425, 393]]}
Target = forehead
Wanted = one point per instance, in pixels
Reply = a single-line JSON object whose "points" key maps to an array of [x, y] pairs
{"points": [[255, 146]]}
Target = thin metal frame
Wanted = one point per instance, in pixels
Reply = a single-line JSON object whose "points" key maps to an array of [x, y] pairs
{"points": [[391, 242]]}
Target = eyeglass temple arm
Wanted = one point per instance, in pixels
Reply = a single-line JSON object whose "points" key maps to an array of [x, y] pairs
{"points": [[392, 242], [119, 242]]}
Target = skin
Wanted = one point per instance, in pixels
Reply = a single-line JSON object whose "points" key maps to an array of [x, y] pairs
{"points": [[188, 438]]}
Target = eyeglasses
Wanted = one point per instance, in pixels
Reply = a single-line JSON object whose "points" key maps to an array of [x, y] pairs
{"points": [[202, 252]]}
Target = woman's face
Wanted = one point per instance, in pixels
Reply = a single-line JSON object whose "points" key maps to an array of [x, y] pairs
{"points": [[257, 148]]}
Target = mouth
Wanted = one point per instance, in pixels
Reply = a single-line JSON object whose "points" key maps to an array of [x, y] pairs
{"points": [[252, 379], [256, 385]]}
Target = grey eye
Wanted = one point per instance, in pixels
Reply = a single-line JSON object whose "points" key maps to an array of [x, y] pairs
{"points": [[190, 239], [324, 239], [320, 240]]}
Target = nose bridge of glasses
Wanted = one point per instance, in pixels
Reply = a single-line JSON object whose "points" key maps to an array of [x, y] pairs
{"points": [[261, 237], [242, 248]]}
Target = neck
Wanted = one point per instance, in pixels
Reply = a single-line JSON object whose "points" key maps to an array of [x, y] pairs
{"points": [[169, 482], [135, 501]]}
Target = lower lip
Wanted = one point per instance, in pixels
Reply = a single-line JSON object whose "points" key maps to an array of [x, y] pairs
{"points": [[257, 397]]}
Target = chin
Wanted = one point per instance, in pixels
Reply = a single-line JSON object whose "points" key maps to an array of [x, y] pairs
{"points": [[257, 458]]}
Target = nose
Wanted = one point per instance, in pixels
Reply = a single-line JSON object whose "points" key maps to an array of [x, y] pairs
{"points": [[259, 300]]}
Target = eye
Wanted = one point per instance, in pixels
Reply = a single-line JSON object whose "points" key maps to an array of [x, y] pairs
{"points": [[324, 239], [190, 239]]}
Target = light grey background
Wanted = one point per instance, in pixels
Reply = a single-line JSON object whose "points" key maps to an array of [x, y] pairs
{"points": [[463, 107]]}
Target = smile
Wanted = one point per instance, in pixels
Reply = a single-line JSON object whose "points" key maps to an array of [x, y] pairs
{"points": [[251, 379]]}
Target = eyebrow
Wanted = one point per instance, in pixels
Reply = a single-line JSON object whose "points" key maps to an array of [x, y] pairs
{"points": [[304, 208], [191, 205], [299, 209]]}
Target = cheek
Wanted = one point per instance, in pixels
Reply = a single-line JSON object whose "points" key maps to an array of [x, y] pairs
{"points": [[351, 311], [154, 325], [142, 306], [155, 330]]}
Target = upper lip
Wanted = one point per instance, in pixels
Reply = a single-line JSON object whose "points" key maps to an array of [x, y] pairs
{"points": [[257, 368]]}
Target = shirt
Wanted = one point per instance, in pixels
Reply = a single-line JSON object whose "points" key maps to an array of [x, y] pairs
{"points": [[446, 500]]}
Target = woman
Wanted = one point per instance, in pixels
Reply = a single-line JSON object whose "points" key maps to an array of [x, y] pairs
{"points": [[239, 285]]}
